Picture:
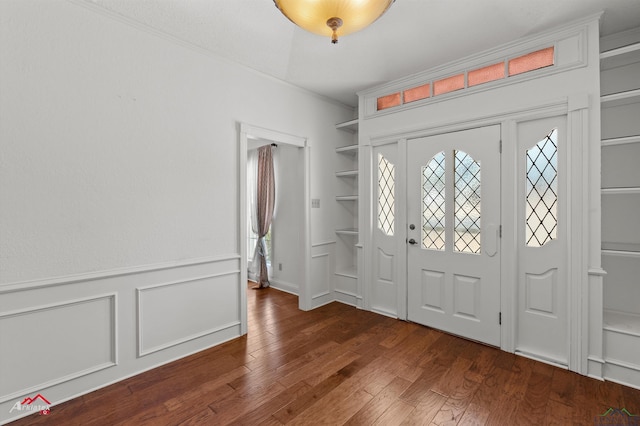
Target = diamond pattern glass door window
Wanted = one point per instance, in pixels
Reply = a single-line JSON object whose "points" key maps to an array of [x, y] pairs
{"points": [[433, 203], [386, 195], [541, 210], [467, 198]]}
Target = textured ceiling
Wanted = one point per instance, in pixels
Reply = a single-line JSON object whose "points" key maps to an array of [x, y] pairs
{"points": [[414, 35]]}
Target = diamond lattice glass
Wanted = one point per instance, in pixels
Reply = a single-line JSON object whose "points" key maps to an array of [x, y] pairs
{"points": [[433, 203], [386, 195], [467, 204], [541, 212]]}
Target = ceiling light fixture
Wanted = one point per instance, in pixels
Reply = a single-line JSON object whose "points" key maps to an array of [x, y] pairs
{"points": [[333, 17]]}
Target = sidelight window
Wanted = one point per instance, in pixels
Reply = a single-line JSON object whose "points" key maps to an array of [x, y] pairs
{"points": [[541, 210], [386, 195]]}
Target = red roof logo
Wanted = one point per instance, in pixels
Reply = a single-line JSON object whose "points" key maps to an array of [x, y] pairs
{"points": [[30, 401], [42, 404]]}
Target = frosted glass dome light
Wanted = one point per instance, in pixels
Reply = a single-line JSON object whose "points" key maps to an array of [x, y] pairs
{"points": [[334, 18]]}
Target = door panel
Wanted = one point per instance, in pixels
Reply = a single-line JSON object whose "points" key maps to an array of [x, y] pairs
{"points": [[542, 320], [453, 205], [384, 288]]}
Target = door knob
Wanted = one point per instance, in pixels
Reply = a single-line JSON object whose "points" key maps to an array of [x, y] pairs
{"points": [[412, 241]]}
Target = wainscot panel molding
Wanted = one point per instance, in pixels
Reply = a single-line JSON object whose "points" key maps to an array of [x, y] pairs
{"points": [[100, 328], [38, 344], [109, 273], [322, 266], [160, 305], [346, 297], [324, 243]]}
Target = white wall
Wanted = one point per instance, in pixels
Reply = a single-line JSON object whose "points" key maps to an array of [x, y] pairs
{"points": [[121, 133], [288, 221], [119, 187]]}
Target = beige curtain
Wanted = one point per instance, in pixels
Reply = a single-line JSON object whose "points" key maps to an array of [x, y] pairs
{"points": [[266, 195]]}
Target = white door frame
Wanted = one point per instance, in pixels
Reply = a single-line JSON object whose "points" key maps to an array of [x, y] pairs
{"points": [[576, 108], [246, 132]]}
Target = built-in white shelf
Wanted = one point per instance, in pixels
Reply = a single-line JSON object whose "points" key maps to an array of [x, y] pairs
{"points": [[621, 56], [621, 191], [620, 98], [346, 255], [347, 173], [621, 249], [347, 231], [620, 141], [349, 149], [622, 322], [620, 51], [350, 126]]}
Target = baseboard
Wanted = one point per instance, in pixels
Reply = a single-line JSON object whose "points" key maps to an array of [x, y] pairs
{"points": [[284, 286]]}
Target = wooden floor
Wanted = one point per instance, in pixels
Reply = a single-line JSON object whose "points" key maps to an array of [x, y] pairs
{"points": [[338, 365]]}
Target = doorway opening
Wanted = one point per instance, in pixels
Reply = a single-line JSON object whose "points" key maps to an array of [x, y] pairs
{"points": [[290, 229]]}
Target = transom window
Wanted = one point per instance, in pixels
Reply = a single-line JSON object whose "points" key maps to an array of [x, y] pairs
{"points": [[511, 67]]}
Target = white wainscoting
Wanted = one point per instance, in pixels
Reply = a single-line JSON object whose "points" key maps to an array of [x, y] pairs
{"points": [[322, 266], [179, 311], [66, 336], [39, 344], [345, 291]]}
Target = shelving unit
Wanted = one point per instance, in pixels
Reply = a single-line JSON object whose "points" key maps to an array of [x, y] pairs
{"points": [[346, 273], [347, 173], [620, 109], [347, 231], [349, 149], [621, 98]]}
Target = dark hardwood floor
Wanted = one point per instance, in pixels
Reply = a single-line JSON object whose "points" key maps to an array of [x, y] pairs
{"points": [[339, 365]]}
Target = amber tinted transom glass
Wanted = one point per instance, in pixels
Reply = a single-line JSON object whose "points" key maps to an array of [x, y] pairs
{"points": [[517, 65]]}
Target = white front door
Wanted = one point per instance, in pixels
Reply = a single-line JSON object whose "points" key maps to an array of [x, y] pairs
{"points": [[453, 215]]}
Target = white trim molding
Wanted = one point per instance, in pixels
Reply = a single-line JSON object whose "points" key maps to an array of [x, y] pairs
{"points": [[112, 340], [140, 292]]}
